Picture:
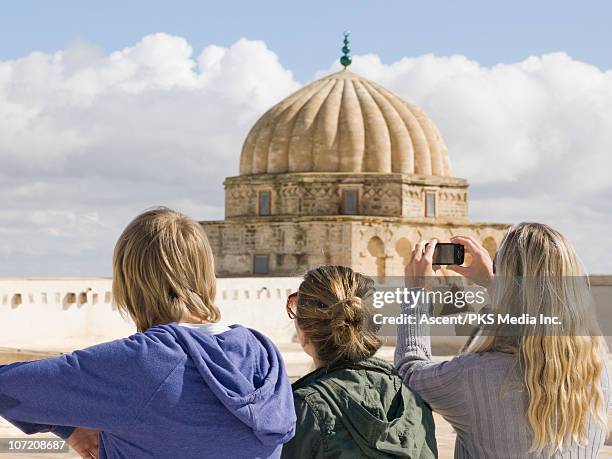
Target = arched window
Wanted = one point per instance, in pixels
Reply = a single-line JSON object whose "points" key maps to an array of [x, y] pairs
{"points": [[491, 246], [403, 247], [376, 248]]}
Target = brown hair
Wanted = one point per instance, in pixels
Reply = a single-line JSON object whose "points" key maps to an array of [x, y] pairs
{"points": [[162, 268], [334, 310]]}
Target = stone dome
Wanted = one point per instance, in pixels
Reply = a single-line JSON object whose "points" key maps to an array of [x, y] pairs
{"points": [[344, 123]]}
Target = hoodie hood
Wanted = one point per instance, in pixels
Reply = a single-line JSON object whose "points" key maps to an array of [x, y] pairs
{"points": [[245, 371], [381, 415]]}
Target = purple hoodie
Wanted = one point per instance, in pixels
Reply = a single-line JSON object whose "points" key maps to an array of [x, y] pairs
{"points": [[168, 392]]}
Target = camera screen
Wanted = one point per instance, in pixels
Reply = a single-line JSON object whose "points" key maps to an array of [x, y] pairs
{"points": [[444, 254]]}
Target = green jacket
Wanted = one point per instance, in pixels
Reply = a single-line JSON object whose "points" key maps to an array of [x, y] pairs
{"points": [[360, 410]]}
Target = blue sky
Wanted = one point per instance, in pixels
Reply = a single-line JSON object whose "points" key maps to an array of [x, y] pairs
{"points": [[306, 35], [130, 105]]}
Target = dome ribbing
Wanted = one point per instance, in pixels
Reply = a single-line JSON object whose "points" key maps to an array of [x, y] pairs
{"points": [[344, 123]]}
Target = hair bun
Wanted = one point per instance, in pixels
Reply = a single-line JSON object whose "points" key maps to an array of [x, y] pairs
{"points": [[334, 313], [348, 312]]}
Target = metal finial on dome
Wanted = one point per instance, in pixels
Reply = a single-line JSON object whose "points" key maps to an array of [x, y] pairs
{"points": [[346, 59]]}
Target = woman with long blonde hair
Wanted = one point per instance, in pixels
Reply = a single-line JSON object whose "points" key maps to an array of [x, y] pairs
{"points": [[532, 390]]}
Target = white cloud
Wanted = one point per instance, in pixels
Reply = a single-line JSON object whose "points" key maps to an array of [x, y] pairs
{"points": [[88, 139], [534, 138], [511, 120]]}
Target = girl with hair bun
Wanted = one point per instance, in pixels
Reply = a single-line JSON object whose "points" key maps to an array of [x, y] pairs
{"points": [[353, 404]]}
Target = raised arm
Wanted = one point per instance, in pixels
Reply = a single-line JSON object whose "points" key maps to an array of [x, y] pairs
{"points": [[413, 340], [440, 384]]}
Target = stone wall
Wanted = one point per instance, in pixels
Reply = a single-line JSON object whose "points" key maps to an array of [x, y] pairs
{"points": [[374, 246], [292, 247], [383, 248], [313, 194]]}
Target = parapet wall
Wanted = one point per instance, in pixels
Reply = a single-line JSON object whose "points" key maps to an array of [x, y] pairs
{"points": [[63, 314], [68, 313]]}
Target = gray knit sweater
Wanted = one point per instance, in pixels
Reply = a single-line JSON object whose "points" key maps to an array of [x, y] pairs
{"points": [[481, 396]]}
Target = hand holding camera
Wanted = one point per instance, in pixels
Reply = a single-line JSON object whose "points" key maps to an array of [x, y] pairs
{"points": [[480, 270], [427, 257], [420, 269]]}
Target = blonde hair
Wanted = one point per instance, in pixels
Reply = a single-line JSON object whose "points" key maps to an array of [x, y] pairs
{"points": [[163, 268], [538, 272], [334, 310]]}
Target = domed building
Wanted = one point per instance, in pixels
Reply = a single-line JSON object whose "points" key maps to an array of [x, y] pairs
{"points": [[343, 171]]}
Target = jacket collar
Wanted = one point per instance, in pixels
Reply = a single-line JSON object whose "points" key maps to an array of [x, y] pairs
{"points": [[371, 363]]}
